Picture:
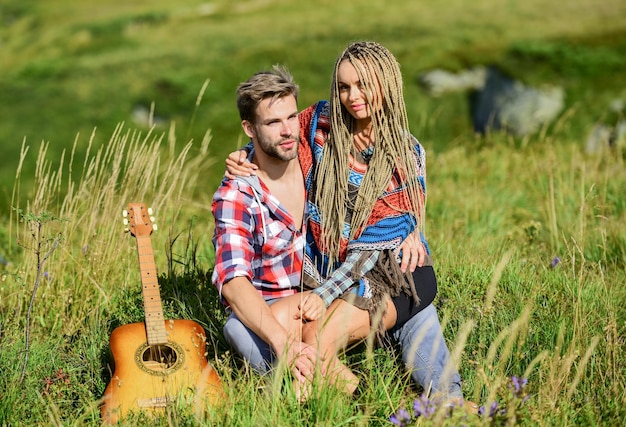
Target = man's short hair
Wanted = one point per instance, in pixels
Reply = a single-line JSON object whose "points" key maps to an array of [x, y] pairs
{"points": [[265, 84]]}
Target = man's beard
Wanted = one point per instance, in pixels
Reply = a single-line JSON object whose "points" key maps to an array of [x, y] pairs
{"points": [[274, 150]]}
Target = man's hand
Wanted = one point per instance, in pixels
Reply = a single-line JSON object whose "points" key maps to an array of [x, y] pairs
{"points": [[413, 252], [253, 311], [301, 359], [311, 308], [237, 164]]}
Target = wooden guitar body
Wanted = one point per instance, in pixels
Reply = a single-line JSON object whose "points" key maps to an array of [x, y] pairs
{"points": [[153, 377], [158, 362]]}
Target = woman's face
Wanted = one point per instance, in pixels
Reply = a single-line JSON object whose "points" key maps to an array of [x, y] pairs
{"points": [[352, 91]]}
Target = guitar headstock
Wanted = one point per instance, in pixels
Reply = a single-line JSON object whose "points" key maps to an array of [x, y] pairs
{"points": [[139, 220]]}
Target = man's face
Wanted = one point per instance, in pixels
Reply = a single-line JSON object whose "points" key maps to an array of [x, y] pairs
{"points": [[276, 130]]}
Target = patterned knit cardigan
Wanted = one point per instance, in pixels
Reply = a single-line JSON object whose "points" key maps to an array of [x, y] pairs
{"points": [[388, 225]]}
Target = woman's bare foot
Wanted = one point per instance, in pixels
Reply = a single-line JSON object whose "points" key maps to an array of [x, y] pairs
{"points": [[466, 405]]}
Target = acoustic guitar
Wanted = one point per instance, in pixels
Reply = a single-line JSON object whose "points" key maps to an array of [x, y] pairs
{"points": [[158, 362]]}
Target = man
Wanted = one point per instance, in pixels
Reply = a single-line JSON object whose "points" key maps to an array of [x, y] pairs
{"points": [[260, 232]]}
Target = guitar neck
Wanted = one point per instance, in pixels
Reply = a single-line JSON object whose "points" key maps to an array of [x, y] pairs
{"points": [[155, 322]]}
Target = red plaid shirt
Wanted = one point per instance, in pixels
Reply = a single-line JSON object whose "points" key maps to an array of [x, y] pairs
{"points": [[256, 238]]}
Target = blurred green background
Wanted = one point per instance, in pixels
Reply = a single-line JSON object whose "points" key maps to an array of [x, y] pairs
{"points": [[70, 66]]}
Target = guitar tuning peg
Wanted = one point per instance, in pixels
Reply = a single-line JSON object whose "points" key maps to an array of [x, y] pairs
{"points": [[126, 229], [125, 221], [124, 213], [152, 218], [154, 227], [149, 211]]}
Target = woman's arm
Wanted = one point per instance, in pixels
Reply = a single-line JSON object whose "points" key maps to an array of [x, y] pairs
{"points": [[338, 283], [237, 163]]}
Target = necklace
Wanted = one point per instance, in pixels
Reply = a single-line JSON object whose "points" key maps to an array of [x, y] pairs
{"points": [[367, 153], [364, 145]]}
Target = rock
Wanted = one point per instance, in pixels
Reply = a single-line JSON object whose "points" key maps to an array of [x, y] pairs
{"points": [[497, 101], [144, 117], [439, 82], [603, 137], [507, 104]]}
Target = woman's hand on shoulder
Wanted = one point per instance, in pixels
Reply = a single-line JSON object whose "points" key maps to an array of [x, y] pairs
{"points": [[237, 164]]}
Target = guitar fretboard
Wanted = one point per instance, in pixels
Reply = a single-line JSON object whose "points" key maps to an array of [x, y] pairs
{"points": [[155, 322]]}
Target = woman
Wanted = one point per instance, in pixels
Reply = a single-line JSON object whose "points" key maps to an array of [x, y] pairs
{"points": [[365, 178]]}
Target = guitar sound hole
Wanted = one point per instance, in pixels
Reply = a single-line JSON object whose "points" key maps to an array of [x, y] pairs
{"points": [[159, 357]]}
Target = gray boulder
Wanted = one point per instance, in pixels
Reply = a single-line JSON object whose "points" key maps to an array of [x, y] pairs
{"points": [[506, 104], [497, 101], [603, 137], [439, 82]]}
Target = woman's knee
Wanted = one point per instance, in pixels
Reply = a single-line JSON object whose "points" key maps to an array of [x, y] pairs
{"points": [[285, 308]]}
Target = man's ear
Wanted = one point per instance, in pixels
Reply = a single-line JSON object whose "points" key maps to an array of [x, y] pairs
{"points": [[248, 128]]}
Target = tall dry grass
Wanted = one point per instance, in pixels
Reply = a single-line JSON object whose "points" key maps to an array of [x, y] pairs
{"points": [[498, 215]]}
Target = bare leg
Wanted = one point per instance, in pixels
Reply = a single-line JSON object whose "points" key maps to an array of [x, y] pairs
{"points": [[285, 310], [343, 323]]}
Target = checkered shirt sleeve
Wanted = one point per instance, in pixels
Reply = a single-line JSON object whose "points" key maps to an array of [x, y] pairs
{"points": [[233, 235], [341, 279]]}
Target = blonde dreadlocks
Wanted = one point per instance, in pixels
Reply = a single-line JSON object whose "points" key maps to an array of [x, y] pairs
{"points": [[379, 73]]}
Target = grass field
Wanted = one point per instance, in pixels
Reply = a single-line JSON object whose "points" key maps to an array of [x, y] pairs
{"points": [[527, 234]]}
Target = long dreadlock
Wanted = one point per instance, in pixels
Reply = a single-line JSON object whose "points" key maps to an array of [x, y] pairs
{"points": [[379, 73]]}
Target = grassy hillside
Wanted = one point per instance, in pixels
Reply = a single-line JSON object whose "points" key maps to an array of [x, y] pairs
{"points": [[69, 67], [527, 235]]}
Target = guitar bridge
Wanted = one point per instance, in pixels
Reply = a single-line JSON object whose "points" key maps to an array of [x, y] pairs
{"points": [[155, 402]]}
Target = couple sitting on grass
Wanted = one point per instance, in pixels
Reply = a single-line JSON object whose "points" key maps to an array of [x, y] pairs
{"points": [[317, 229]]}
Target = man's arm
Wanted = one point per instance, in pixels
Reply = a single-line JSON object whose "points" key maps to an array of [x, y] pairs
{"points": [[250, 307], [233, 241], [252, 310]]}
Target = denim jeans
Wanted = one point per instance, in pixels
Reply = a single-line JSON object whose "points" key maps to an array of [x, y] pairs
{"points": [[424, 351], [425, 354], [253, 349]]}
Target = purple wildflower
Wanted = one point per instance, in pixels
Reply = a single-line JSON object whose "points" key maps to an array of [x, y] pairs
{"points": [[555, 262], [400, 418], [518, 384], [493, 410], [423, 407]]}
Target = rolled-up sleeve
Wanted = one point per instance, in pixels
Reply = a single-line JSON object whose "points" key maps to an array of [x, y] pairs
{"points": [[233, 235]]}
